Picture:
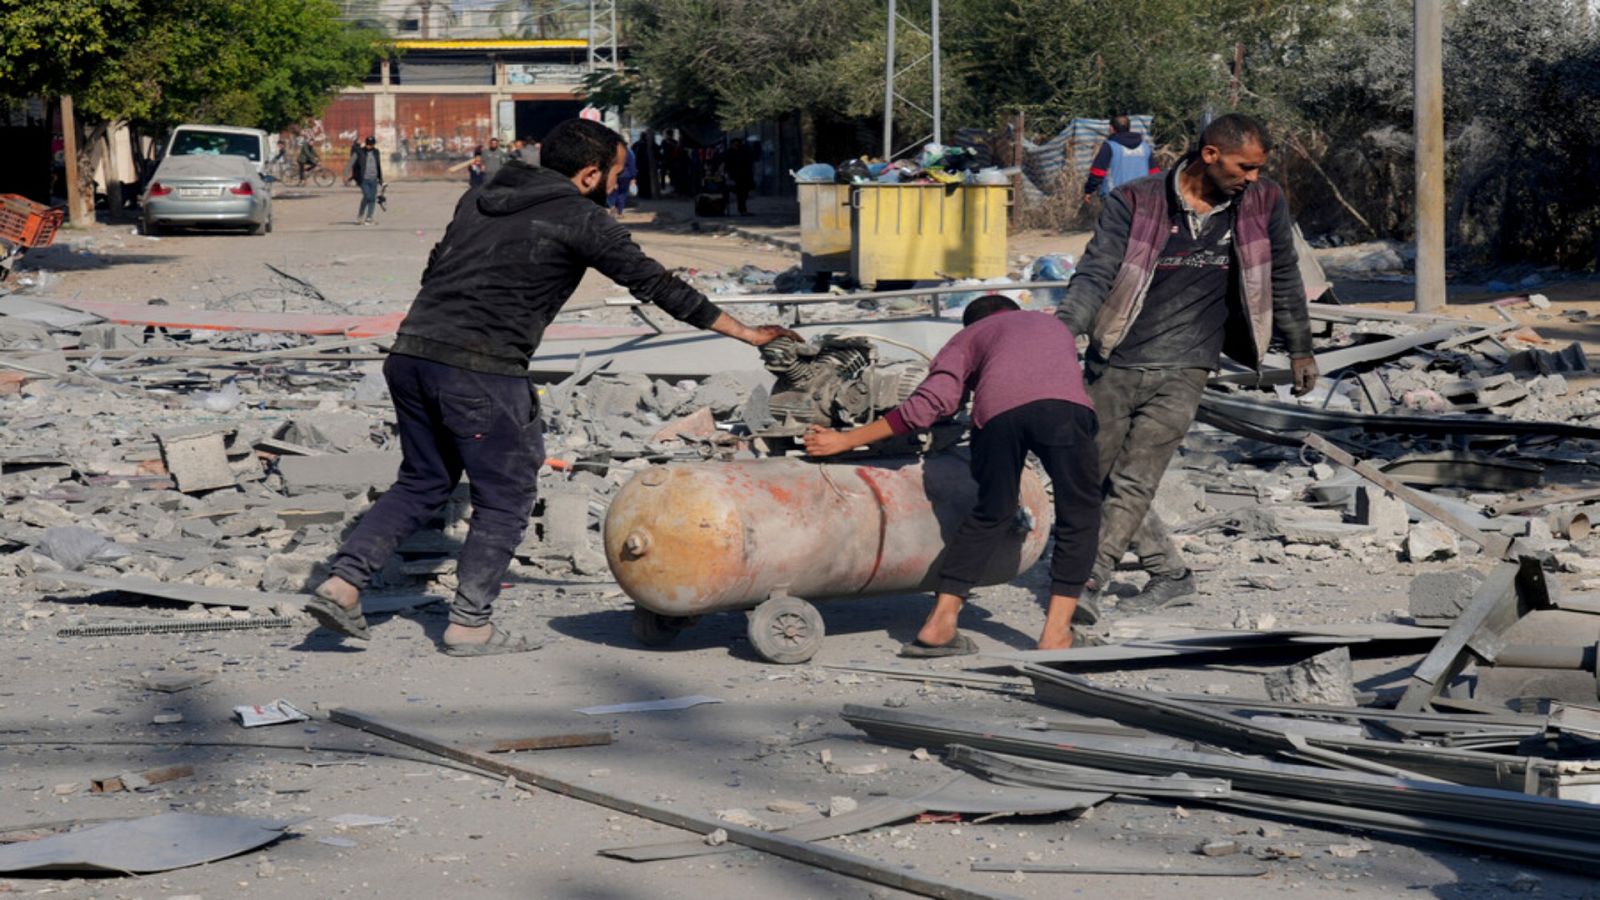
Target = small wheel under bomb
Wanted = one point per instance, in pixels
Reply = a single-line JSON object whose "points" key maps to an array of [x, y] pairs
{"points": [[653, 629], [786, 630]]}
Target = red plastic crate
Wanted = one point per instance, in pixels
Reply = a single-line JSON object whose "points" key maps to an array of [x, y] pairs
{"points": [[27, 223]]}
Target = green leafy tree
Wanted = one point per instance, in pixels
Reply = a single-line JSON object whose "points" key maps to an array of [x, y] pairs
{"points": [[738, 62], [156, 63]]}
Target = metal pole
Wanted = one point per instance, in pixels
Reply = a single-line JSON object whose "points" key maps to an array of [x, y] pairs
{"points": [[938, 87], [1429, 128], [888, 88]]}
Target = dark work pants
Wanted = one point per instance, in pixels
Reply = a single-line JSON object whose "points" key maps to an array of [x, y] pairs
{"points": [[1144, 414], [1061, 434], [453, 420]]}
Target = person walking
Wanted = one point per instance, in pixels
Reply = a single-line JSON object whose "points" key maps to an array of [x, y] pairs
{"points": [[1181, 268], [618, 199], [1021, 369], [1123, 157], [458, 370], [366, 170], [475, 174], [739, 167], [493, 159]]}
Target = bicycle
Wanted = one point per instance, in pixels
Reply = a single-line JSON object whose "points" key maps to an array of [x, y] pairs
{"points": [[290, 175]]}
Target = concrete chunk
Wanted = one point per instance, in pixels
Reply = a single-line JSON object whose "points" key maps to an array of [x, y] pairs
{"points": [[1324, 679], [1437, 597], [1385, 514], [338, 471], [196, 458], [1429, 540]]}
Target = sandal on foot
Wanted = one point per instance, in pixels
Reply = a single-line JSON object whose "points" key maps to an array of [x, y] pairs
{"points": [[960, 645], [334, 617], [499, 642]]}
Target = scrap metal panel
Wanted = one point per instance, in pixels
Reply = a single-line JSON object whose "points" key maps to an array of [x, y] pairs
{"points": [[349, 118], [438, 131]]}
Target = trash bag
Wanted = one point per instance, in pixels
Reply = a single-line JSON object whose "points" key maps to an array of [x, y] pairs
{"points": [[816, 173], [852, 171], [1052, 267], [73, 545], [991, 175], [218, 401]]}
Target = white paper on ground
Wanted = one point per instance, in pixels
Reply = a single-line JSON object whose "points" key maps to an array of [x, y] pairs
{"points": [[277, 712], [649, 705]]}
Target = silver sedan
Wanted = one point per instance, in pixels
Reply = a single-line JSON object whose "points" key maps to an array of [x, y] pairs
{"points": [[206, 190]]}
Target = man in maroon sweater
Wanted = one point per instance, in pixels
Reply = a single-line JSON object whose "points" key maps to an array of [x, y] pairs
{"points": [[1021, 369]]}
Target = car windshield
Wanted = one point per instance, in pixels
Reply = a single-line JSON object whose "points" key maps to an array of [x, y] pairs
{"points": [[217, 143]]}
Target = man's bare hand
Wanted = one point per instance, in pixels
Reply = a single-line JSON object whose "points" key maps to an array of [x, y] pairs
{"points": [[827, 442], [766, 334], [1305, 374]]}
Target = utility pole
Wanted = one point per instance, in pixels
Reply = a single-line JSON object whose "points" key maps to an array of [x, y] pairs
{"points": [[1429, 128], [888, 86], [69, 137], [893, 74], [603, 35]]}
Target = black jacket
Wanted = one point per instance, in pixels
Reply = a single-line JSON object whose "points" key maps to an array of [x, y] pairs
{"points": [[358, 163], [512, 256]]}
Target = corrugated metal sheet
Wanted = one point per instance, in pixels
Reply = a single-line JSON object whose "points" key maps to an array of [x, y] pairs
{"points": [[349, 118], [438, 131]]}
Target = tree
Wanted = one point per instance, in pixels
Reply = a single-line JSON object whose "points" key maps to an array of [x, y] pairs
{"points": [[543, 19], [735, 63], [156, 63]]}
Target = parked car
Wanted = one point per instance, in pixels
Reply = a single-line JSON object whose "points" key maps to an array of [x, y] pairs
{"points": [[190, 190], [220, 140]]}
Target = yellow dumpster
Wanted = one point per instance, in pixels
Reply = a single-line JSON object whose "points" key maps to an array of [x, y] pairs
{"points": [[914, 232], [824, 228]]}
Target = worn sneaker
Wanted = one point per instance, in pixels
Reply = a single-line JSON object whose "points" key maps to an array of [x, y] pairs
{"points": [[1160, 592]]}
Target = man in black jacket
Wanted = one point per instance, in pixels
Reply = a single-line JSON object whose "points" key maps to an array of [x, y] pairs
{"points": [[366, 170], [458, 371]]}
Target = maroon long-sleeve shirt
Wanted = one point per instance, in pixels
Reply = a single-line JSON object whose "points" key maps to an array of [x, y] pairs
{"points": [[1006, 359]]}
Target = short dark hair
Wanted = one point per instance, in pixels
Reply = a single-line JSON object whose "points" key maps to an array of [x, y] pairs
{"points": [[1121, 123], [985, 306], [1233, 131], [578, 143]]}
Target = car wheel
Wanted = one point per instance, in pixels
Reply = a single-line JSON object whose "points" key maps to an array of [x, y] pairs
{"points": [[263, 228], [150, 229], [269, 226]]}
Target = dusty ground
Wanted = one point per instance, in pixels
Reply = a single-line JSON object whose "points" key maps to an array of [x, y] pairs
{"points": [[464, 835]]}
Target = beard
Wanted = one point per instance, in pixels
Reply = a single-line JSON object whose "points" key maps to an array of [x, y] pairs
{"points": [[598, 194]]}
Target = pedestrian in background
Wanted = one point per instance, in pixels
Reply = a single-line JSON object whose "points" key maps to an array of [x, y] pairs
{"points": [[366, 170], [618, 199], [475, 175], [493, 159], [1124, 157]]}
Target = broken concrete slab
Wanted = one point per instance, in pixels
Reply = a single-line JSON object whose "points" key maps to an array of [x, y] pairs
{"points": [[566, 520], [1386, 515], [182, 593], [197, 457], [339, 471], [1436, 598], [1427, 540], [1326, 679]]}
